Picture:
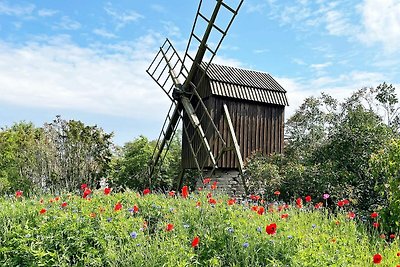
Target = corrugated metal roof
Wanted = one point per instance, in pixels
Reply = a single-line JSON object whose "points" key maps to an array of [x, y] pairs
{"points": [[245, 84]]}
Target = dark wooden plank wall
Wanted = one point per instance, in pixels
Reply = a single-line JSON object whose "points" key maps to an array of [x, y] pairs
{"points": [[258, 128]]}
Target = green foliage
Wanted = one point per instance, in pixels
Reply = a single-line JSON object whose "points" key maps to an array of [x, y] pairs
{"points": [[59, 156], [93, 233], [130, 169], [385, 167]]}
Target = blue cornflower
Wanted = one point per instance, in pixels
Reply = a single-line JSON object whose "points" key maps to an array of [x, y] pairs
{"points": [[133, 234], [231, 230], [109, 219], [245, 244]]}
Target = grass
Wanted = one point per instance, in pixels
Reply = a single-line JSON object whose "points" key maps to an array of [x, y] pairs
{"points": [[91, 232]]}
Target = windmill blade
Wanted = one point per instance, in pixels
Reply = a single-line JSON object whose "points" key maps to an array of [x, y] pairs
{"points": [[166, 68], [208, 26], [167, 133]]}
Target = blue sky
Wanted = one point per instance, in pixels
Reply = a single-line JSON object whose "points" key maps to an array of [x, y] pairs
{"points": [[86, 60]]}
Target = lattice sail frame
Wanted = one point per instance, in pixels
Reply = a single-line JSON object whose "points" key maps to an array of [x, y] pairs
{"points": [[168, 70]]}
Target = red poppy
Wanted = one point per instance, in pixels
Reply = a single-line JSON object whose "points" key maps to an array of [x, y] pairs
{"points": [[212, 201], [318, 205], [42, 211], [171, 193], [377, 258], [86, 192], [271, 229], [284, 216], [260, 210], [280, 208], [346, 201], [299, 203], [277, 193], [209, 195], [107, 191], [398, 254], [169, 227], [83, 186], [214, 186], [206, 180], [374, 215], [392, 236], [231, 201], [200, 189], [254, 197], [340, 203], [92, 214], [254, 208], [18, 194], [195, 242], [198, 204], [118, 206], [375, 224], [185, 191], [41, 201], [351, 215], [382, 236], [308, 198], [135, 209], [64, 204], [337, 222], [146, 191]]}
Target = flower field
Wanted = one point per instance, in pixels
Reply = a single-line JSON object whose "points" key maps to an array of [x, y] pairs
{"points": [[102, 228]]}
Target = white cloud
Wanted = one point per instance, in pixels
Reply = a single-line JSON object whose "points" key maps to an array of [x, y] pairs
{"points": [[47, 12], [16, 10], [59, 74], [158, 8], [67, 23], [381, 23], [171, 29], [104, 33], [122, 17]]}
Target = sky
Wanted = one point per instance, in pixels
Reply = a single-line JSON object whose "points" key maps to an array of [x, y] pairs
{"points": [[87, 60]]}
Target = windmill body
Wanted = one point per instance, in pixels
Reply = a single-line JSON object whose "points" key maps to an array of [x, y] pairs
{"points": [[227, 113]]}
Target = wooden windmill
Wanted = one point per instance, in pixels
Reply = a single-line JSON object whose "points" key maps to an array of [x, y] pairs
{"points": [[221, 108]]}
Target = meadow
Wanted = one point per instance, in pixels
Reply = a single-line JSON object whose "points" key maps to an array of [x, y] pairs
{"points": [[202, 228]]}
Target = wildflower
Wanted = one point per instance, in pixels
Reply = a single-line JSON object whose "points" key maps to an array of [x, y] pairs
{"points": [[277, 193], [271, 229], [318, 205], [374, 215], [117, 206], [198, 203], [146, 191], [18, 194], [346, 201], [392, 236], [214, 185], [64, 204], [93, 215], [351, 215], [171, 193], [337, 222], [260, 210], [377, 258], [86, 192], [133, 234], [375, 224], [109, 219], [84, 186], [200, 188], [169, 227], [212, 201], [209, 195], [299, 203], [259, 229], [313, 226], [186, 226], [206, 180], [107, 191], [382, 236], [56, 198], [290, 236], [308, 198], [398, 254], [325, 196], [231, 201], [245, 244], [135, 209], [254, 197], [185, 191], [284, 216], [195, 241], [340, 203], [231, 230], [42, 211]]}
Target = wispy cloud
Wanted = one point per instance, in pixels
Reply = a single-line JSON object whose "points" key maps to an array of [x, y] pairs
{"points": [[47, 12], [104, 33], [67, 23], [158, 8], [16, 10], [171, 29], [381, 23], [122, 17]]}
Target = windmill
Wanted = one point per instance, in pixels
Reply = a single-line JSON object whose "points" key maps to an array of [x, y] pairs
{"points": [[179, 79]]}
